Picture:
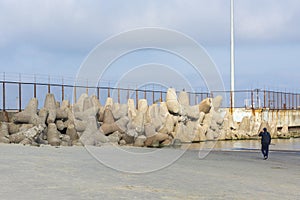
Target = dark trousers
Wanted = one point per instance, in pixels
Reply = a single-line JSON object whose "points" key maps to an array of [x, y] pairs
{"points": [[265, 149]]}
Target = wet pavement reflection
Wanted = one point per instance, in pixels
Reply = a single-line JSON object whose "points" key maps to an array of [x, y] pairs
{"points": [[292, 144]]}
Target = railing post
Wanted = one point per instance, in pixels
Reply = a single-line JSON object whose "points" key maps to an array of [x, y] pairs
{"points": [[269, 99], [20, 96], [153, 99], [285, 102], [279, 95], [293, 100], [282, 101], [264, 98], [257, 99], [136, 98], [290, 102], [34, 87], [273, 100], [296, 101], [119, 99], [49, 90], [3, 100], [62, 89], [252, 100], [62, 92], [98, 92], [288, 106], [108, 92], [75, 95], [34, 90], [87, 87]]}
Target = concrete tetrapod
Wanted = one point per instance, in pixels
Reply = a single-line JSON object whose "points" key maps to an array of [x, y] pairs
{"points": [[53, 135], [29, 115], [4, 135], [153, 138], [172, 101]]}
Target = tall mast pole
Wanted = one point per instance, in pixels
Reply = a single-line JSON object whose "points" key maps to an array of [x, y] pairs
{"points": [[231, 54]]}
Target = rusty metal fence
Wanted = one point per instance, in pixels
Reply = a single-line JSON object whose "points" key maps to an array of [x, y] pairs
{"points": [[16, 94]]}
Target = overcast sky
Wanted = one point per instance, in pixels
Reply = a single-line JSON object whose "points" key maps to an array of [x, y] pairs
{"points": [[54, 37]]}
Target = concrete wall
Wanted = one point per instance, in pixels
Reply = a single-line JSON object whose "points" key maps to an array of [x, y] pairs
{"points": [[282, 117]]}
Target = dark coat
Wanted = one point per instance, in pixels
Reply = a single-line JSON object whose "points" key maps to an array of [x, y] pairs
{"points": [[265, 137]]}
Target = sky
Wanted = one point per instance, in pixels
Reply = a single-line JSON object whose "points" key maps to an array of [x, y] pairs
{"points": [[55, 37]]}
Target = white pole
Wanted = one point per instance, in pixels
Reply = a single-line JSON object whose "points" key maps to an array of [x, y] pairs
{"points": [[232, 53]]}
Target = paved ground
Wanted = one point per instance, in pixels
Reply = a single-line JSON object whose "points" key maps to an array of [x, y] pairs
{"points": [[72, 173]]}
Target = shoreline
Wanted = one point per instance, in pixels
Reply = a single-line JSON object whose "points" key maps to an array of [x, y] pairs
{"points": [[279, 144]]}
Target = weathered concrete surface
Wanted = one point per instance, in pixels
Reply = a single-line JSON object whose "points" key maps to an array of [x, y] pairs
{"points": [[72, 173], [282, 117], [170, 120]]}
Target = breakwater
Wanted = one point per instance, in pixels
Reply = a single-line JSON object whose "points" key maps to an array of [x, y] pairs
{"points": [[87, 122]]}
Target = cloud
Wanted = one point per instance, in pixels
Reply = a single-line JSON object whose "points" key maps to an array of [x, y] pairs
{"points": [[77, 25], [57, 35], [267, 21], [50, 23]]}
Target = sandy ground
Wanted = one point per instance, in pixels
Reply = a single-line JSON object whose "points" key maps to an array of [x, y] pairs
{"points": [[72, 173]]}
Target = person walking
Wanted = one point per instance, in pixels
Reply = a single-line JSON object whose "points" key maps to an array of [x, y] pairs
{"points": [[265, 142]]}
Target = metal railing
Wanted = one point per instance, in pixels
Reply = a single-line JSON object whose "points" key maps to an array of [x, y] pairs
{"points": [[22, 92], [16, 94]]}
